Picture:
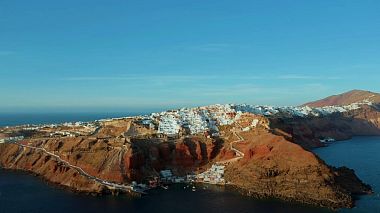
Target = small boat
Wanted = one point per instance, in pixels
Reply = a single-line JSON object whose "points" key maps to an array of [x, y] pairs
{"points": [[193, 189], [165, 187]]}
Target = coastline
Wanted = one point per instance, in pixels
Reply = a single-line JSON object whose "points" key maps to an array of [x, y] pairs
{"points": [[242, 190], [135, 145]]}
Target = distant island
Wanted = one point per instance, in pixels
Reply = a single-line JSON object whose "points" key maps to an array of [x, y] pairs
{"points": [[262, 151]]}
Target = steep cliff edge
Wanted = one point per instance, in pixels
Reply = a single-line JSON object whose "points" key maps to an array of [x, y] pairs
{"points": [[14, 157], [308, 131], [278, 168]]}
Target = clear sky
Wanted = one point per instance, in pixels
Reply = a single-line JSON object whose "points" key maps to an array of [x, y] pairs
{"points": [[136, 55]]}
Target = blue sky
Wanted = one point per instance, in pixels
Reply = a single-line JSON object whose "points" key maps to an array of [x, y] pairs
{"points": [[145, 55]]}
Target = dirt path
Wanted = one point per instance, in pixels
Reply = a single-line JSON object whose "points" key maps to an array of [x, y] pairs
{"points": [[82, 172], [239, 154]]}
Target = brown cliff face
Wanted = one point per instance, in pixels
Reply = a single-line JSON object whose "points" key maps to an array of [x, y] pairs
{"points": [[340, 126], [306, 132], [182, 155], [110, 159], [14, 157]]}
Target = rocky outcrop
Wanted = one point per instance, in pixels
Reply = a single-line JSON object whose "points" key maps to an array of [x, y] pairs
{"points": [[340, 126], [275, 167], [146, 157]]}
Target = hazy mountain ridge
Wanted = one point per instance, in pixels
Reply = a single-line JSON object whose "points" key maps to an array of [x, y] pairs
{"points": [[353, 96]]}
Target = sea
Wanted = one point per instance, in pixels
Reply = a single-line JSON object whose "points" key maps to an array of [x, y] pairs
{"points": [[363, 155], [13, 119], [23, 192]]}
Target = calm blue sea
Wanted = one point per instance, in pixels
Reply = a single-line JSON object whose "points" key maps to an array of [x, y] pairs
{"points": [[10, 119], [21, 192], [363, 155]]}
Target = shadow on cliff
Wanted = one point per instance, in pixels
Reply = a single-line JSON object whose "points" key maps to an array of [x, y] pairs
{"points": [[147, 157]]}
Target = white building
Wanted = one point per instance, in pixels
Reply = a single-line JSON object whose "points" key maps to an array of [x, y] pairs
{"points": [[214, 175], [169, 125]]}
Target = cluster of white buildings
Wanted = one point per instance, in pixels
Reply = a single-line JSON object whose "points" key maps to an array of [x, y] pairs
{"points": [[209, 118], [86, 125], [169, 124], [195, 120], [64, 133], [214, 175], [298, 111], [11, 139]]}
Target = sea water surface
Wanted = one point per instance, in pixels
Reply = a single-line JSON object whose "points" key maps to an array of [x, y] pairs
{"points": [[363, 155], [22, 192], [13, 119]]}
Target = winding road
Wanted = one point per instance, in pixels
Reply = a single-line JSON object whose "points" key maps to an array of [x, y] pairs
{"points": [[106, 183], [239, 154]]}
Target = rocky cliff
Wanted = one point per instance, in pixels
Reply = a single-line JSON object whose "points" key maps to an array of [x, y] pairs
{"points": [[307, 131], [115, 160], [278, 168], [14, 157]]}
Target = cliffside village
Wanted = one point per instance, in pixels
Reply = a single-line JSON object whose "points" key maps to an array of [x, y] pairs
{"points": [[202, 119], [187, 121]]}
